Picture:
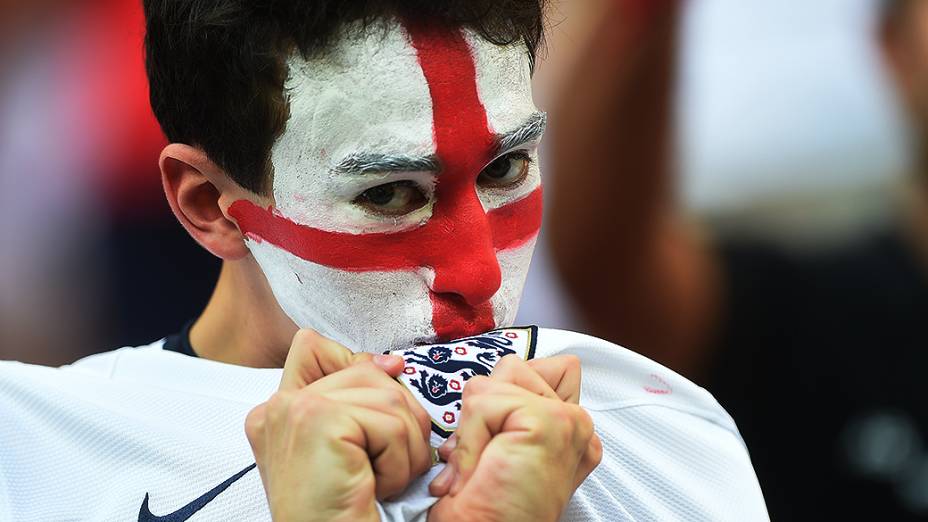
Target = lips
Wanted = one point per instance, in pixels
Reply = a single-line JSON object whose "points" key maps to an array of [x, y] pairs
{"points": [[453, 318]]}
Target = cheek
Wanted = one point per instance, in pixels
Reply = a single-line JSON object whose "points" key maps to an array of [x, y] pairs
{"points": [[368, 311], [514, 264]]}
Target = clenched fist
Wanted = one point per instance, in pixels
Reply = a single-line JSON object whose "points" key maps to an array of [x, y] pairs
{"points": [[523, 446], [339, 434]]}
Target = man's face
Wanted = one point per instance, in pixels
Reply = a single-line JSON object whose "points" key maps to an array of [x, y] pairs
{"points": [[406, 189]]}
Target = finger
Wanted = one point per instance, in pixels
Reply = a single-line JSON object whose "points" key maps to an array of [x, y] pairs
{"points": [[392, 402], [591, 458], [562, 373], [255, 425], [441, 484], [367, 375], [486, 406], [386, 442], [254, 429], [514, 370], [445, 450], [311, 358], [392, 364]]}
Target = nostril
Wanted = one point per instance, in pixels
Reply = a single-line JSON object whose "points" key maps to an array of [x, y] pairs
{"points": [[453, 317], [472, 281]]}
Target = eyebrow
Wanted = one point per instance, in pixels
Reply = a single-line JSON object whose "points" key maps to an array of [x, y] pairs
{"points": [[531, 130], [369, 162], [360, 163]]}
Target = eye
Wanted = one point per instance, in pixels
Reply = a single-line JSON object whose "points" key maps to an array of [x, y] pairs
{"points": [[505, 170], [393, 199]]}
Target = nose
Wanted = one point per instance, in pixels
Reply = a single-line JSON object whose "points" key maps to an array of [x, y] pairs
{"points": [[467, 266]]}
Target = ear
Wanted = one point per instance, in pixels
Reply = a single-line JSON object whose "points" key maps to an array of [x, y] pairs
{"points": [[195, 187]]}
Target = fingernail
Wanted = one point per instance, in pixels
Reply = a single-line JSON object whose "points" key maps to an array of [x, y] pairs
{"points": [[386, 360], [450, 444], [443, 479]]}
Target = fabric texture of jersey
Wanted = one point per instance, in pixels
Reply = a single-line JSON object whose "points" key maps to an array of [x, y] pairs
{"points": [[142, 433]]}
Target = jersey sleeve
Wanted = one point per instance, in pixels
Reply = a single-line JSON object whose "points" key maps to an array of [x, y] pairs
{"points": [[666, 464], [396, 512], [670, 451], [5, 510], [413, 504]]}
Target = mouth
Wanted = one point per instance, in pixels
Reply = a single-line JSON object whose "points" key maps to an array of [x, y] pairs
{"points": [[453, 318]]}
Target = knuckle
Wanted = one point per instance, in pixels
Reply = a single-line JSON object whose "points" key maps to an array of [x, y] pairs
{"points": [[474, 403], [476, 385], [425, 422], [254, 423], [571, 363], [277, 406], [584, 430], [393, 484], [422, 462], [362, 357], [558, 422], [394, 398], [584, 420], [509, 360], [368, 368], [305, 336], [596, 450], [277, 401], [397, 429], [304, 409], [560, 413]]}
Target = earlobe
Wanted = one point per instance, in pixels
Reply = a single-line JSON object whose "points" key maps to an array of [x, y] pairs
{"points": [[194, 187]]}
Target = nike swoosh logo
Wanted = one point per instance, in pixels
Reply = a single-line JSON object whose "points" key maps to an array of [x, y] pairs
{"points": [[190, 509]]}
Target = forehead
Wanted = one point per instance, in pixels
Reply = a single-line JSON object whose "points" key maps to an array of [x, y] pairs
{"points": [[368, 93]]}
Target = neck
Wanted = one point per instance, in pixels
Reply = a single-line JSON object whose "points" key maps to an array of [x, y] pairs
{"points": [[243, 324]]}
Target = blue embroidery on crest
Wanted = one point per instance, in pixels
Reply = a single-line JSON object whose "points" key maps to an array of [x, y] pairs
{"points": [[438, 372], [439, 358], [435, 389]]}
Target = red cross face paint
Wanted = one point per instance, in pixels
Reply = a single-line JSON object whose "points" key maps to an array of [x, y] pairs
{"points": [[406, 187]]}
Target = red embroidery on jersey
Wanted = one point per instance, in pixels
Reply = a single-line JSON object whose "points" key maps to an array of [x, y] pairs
{"points": [[664, 388]]}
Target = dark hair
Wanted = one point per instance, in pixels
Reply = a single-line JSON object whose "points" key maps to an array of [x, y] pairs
{"points": [[217, 68]]}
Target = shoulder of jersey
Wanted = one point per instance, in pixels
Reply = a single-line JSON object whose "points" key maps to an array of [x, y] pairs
{"points": [[147, 366], [97, 367], [617, 378]]}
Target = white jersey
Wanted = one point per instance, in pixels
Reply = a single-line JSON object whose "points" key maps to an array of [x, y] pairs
{"points": [[152, 435]]}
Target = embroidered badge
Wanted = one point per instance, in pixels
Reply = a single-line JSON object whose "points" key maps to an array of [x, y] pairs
{"points": [[436, 373]]}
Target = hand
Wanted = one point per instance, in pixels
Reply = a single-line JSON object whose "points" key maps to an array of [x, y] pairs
{"points": [[523, 445], [339, 434]]}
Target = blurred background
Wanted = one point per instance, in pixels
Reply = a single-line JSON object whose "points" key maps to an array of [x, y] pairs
{"points": [[768, 133], [787, 126], [92, 258]]}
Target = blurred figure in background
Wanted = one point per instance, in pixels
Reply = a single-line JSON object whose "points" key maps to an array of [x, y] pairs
{"points": [[83, 222], [818, 358]]}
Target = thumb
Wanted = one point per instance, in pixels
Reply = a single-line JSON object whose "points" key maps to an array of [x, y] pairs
{"points": [[392, 364], [311, 358]]}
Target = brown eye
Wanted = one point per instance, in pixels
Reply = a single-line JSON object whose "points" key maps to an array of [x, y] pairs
{"points": [[393, 199], [505, 170]]}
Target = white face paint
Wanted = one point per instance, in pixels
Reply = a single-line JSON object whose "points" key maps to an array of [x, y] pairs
{"points": [[381, 237]]}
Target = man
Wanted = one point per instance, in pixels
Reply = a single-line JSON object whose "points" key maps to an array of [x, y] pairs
{"points": [[819, 359], [365, 169]]}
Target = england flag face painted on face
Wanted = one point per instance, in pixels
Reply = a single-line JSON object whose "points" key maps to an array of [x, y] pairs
{"points": [[407, 196]]}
